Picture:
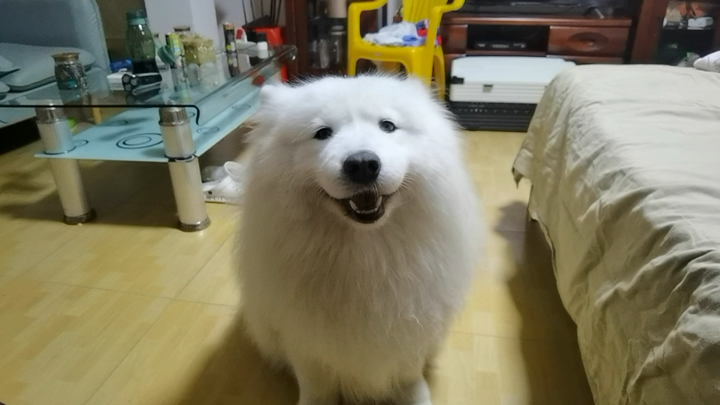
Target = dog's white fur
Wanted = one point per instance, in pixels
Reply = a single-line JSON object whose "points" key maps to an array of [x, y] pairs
{"points": [[355, 310]]}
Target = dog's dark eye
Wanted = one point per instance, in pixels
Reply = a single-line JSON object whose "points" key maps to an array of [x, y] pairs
{"points": [[323, 133], [387, 126]]}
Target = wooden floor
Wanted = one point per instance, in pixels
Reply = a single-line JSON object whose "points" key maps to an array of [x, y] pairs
{"points": [[129, 310]]}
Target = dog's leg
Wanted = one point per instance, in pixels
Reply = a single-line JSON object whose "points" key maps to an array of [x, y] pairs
{"points": [[416, 393], [315, 387]]}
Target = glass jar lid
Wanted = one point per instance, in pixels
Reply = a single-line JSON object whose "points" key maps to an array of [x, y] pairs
{"points": [[66, 57]]}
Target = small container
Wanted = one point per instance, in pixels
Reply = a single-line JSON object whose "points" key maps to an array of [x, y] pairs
{"points": [[229, 33], [198, 50], [69, 72], [176, 48], [172, 40]]}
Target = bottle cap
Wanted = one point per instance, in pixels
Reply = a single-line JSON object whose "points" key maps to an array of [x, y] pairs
{"points": [[133, 14]]}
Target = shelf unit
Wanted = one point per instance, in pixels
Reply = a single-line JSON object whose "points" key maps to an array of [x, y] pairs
{"points": [[650, 36], [299, 31]]}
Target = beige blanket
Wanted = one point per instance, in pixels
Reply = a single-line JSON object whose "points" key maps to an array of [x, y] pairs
{"points": [[625, 167]]}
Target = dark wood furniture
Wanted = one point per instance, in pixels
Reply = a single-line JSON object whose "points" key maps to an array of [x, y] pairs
{"points": [[650, 35], [577, 38], [299, 29], [638, 38]]}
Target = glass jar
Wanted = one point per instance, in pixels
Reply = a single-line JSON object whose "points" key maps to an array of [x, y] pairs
{"points": [[198, 50], [69, 72], [140, 42]]}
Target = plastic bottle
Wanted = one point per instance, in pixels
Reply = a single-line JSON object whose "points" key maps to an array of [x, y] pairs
{"points": [[140, 43]]}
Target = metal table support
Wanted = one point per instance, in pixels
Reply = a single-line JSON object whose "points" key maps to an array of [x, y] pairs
{"points": [[184, 169], [57, 138]]}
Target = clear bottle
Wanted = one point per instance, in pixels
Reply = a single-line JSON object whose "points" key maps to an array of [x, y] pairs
{"points": [[140, 42], [337, 46]]}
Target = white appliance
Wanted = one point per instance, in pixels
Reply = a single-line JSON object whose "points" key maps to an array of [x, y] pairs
{"points": [[500, 92]]}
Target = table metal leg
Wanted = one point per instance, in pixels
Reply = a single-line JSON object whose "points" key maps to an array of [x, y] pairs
{"points": [[184, 169], [57, 138]]}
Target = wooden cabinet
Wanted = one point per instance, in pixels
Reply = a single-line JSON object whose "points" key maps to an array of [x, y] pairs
{"points": [[593, 41], [577, 38]]}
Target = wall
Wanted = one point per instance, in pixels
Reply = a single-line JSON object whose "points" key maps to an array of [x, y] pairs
{"points": [[164, 15], [234, 12], [113, 16]]}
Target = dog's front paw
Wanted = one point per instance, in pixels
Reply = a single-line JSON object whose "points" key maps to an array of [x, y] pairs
{"points": [[417, 393], [413, 402], [325, 401]]}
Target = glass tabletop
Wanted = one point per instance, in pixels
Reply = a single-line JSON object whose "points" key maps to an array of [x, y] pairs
{"points": [[209, 88]]}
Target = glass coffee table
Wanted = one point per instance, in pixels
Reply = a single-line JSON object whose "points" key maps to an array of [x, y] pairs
{"points": [[174, 123]]}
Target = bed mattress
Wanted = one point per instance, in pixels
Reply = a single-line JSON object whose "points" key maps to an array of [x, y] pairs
{"points": [[624, 163]]}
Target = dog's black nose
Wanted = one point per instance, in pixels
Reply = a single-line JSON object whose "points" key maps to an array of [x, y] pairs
{"points": [[362, 167]]}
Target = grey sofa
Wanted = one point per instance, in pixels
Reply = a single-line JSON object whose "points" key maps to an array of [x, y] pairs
{"points": [[48, 24]]}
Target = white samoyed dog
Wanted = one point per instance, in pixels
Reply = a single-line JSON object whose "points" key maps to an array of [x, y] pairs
{"points": [[359, 235]]}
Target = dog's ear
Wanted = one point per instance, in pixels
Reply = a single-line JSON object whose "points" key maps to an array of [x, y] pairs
{"points": [[273, 96], [274, 93]]}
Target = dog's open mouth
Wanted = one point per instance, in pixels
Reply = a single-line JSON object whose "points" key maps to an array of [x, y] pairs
{"points": [[365, 207]]}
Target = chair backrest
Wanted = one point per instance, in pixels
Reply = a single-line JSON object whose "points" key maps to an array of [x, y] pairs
{"points": [[416, 10]]}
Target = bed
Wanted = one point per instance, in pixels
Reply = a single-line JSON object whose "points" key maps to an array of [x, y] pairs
{"points": [[624, 163]]}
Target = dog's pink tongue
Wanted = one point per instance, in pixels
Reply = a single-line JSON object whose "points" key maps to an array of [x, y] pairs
{"points": [[365, 201]]}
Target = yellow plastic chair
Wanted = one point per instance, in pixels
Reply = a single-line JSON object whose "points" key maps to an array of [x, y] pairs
{"points": [[418, 60]]}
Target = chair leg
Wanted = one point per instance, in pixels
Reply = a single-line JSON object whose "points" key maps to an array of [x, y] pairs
{"points": [[351, 65], [416, 68], [439, 67], [424, 73]]}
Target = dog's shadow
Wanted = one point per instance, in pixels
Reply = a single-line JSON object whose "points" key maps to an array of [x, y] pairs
{"points": [[236, 374]]}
